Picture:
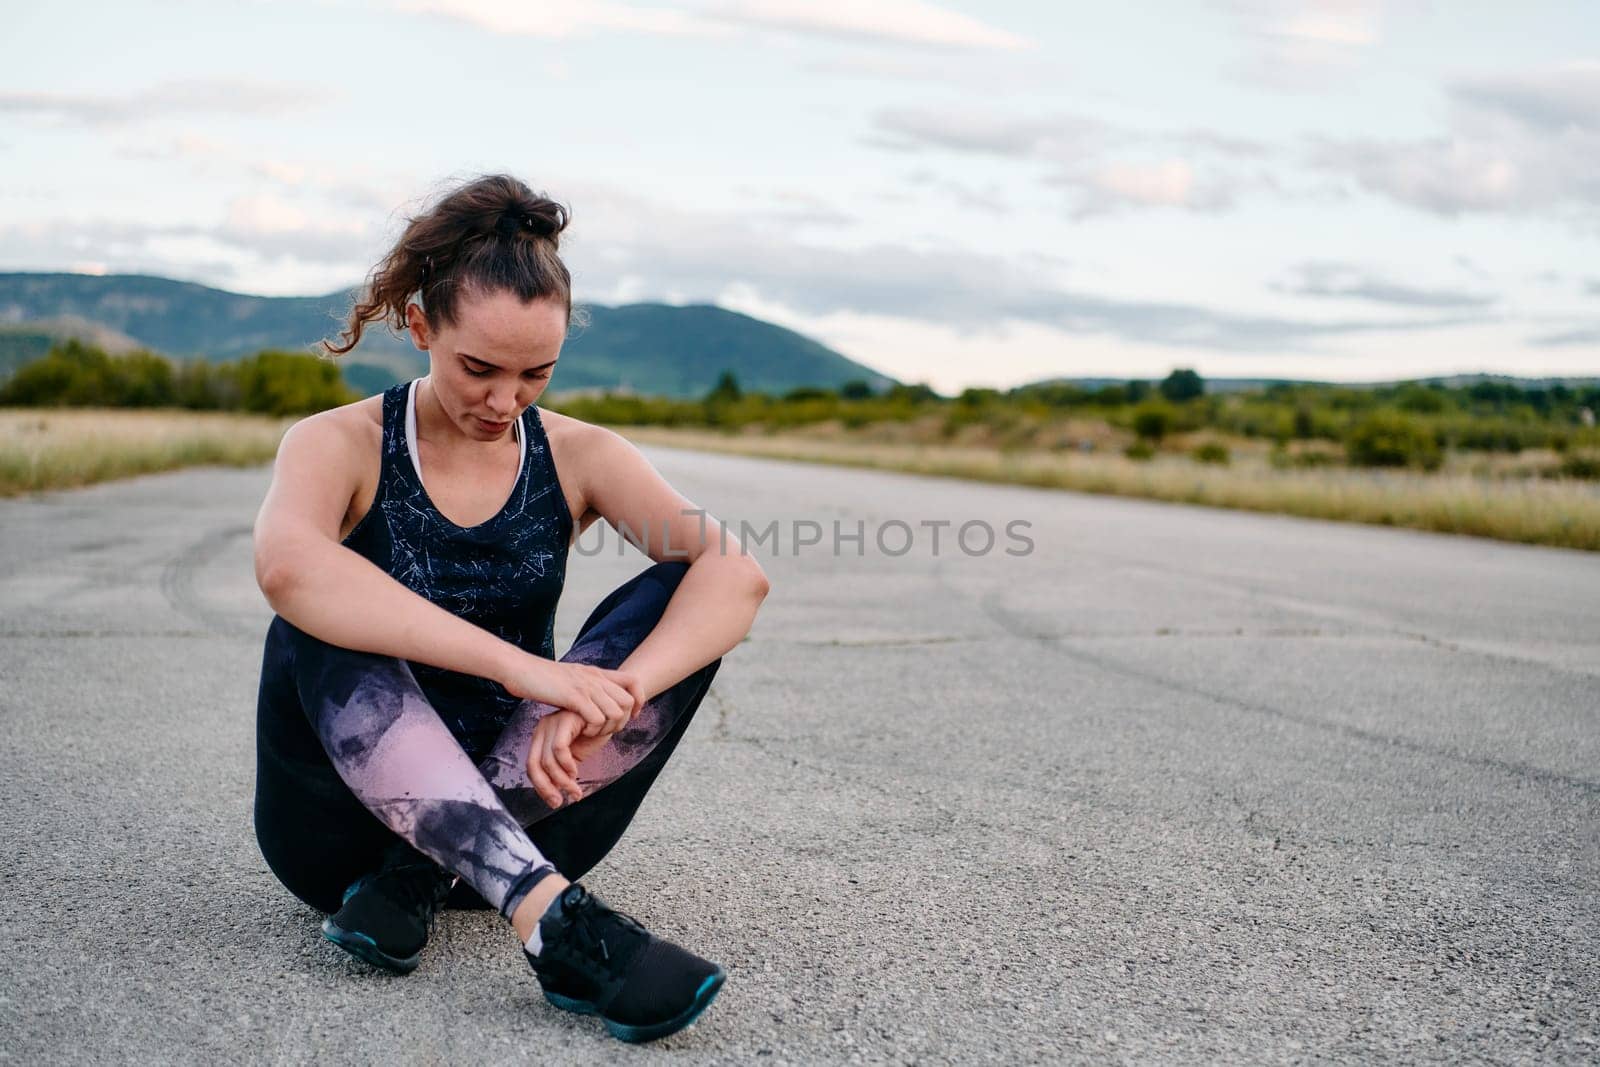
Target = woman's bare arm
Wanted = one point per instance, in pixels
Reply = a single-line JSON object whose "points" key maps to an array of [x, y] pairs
{"points": [[715, 604], [334, 593]]}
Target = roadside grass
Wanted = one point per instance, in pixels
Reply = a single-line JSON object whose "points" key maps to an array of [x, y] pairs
{"points": [[44, 448], [59, 448], [1564, 513]]}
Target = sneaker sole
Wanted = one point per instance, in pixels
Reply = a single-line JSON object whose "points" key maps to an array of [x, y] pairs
{"points": [[364, 948], [634, 1034]]}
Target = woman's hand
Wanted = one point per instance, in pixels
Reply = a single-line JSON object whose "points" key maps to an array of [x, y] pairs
{"points": [[604, 700], [558, 745]]}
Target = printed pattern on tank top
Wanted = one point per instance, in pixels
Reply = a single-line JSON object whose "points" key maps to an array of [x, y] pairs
{"points": [[504, 574]]}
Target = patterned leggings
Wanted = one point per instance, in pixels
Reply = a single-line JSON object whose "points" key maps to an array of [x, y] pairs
{"points": [[351, 758]]}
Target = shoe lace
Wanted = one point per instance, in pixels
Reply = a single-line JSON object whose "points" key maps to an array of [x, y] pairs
{"points": [[420, 887], [592, 923]]}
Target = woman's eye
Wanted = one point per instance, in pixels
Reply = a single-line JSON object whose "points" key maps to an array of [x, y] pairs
{"points": [[477, 373]]}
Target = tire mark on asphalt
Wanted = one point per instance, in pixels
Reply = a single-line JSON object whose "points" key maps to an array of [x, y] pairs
{"points": [[178, 584], [1018, 626], [1337, 612]]}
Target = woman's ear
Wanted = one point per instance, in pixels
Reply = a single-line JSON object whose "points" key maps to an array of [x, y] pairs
{"points": [[417, 323]]}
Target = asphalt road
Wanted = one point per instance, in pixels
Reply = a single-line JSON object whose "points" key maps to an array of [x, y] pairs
{"points": [[1176, 785]]}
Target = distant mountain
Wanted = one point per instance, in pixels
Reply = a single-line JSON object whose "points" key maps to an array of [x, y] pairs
{"points": [[656, 349], [1239, 385]]}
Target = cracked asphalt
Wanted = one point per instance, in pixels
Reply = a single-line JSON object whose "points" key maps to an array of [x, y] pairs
{"points": [[1176, 785]]}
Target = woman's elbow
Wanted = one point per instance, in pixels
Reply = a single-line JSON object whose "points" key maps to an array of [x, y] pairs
{"points": [[760, 584], [273, 575]]}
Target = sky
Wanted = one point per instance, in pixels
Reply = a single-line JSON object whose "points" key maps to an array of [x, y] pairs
{"points": [[955, 193]]}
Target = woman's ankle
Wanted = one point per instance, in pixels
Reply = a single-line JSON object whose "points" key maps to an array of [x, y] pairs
{"points": [[533, 906]]}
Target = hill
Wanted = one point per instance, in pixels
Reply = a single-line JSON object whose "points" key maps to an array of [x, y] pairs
{"points": [[650, 348], [1245, 385]]}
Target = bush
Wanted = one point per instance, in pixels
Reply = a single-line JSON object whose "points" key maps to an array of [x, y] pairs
{"points": [[1152, 420], [1140, 450], [1580, 465], [1212, 452], [275, 383], [1389, 439]]}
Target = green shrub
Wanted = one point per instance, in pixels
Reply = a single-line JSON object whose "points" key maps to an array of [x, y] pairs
{"points": [[1584, 465], [1152, 420], [1389, 439], [1140, 450], [74, 374], [1212, 452]]}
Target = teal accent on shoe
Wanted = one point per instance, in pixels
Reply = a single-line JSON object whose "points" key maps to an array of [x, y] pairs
{"points": [[702, 1000], [365, 949], [582, 1007]]}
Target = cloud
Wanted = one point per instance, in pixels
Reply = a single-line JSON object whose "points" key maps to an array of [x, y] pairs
{"points": [[625, 247], [1562, 98], [1322, 278], [984, 133], [1142, 184], [634, 248], [908, 23], [1592, 286], [1080, 151], [561, 21], [243, 99], [1569, 338], [255, 230], [1516, 144], [898, 22], [1304, 45]]}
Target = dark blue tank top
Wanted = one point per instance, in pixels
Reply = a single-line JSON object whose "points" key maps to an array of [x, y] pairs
{"points": [[505, 574]]}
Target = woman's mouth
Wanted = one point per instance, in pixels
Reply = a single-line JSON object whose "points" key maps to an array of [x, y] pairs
{"points": [[492, 427]]}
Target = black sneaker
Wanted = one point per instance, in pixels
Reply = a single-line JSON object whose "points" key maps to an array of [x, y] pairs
{"points": [[596, 961], [386, 916]]}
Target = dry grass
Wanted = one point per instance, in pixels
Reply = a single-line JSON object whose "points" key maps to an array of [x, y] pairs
{"points": [[1533, 511], [59, 448], [56, 448]]}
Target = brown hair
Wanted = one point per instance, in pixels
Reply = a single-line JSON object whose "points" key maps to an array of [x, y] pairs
{"points": [[489, 235]]}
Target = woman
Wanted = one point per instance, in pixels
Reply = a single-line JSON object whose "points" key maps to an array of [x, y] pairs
{"points": [[413, 726]]}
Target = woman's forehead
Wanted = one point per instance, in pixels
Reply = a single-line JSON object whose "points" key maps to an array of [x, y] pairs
{"points": [[500, 325]]}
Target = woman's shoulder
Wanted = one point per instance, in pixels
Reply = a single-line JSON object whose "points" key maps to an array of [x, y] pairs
{"points": [[349, 436], [571, 436], [359, 422]]}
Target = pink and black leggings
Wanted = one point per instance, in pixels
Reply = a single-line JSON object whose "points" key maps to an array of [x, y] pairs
{"points": [[351, 758]]}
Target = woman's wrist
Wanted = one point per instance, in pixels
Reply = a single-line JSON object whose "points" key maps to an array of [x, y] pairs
{"points": [[507, 660]]}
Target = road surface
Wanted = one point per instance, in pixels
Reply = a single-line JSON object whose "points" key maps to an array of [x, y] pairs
{"points": [[1168, 784]]}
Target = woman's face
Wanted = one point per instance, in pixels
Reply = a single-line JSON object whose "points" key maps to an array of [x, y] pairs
{"points": [[494, 361]]}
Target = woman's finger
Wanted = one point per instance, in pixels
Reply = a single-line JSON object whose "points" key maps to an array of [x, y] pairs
{"points": [[538, 779], [556, 755]]}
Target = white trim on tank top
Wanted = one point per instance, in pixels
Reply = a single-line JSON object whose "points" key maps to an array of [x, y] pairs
{"points": [[411, 434]]}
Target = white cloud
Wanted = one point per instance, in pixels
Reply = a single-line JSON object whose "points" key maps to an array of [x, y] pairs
{"points": [[1323, 278], [160, 101], [901, 22], [1162, 183], [557, 20], [1306, 44], [1523, 143], [912, 23]]}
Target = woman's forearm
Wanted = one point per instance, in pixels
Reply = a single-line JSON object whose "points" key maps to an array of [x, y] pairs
{"points": [[339, 596], [707, 616]]}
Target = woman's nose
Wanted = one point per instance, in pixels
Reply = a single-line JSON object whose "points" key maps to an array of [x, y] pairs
{"points": [[503, 401]]}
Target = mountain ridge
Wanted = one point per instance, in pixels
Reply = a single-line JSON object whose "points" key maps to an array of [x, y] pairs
{"points": [[655, 348]]}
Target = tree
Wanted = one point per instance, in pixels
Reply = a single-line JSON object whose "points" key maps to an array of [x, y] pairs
{"points": [[856, 389], [1182, 384], [726, 390]]}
